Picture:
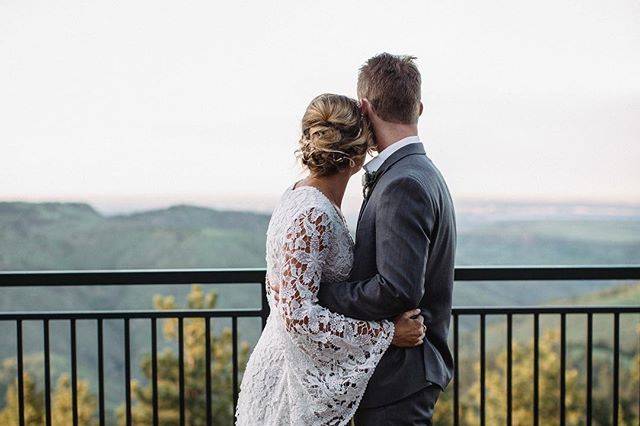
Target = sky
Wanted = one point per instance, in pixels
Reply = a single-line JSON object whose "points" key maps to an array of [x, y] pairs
{"points": [[139, 103]]}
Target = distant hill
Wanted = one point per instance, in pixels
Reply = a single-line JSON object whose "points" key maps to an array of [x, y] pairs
{"points": [[37, 236], [555, 242], [75, 236]]}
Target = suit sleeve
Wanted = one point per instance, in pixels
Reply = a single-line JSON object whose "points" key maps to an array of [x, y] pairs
{"points": [[405, 217]]}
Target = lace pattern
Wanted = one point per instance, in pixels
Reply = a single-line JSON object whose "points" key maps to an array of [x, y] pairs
{"points": [[310, 366]]}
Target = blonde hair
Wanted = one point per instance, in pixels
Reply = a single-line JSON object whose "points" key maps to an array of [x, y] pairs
{"points": [[335, 135]]}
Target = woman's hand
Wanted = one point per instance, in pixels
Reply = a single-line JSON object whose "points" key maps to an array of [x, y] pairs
{"points": [[409, 331]]}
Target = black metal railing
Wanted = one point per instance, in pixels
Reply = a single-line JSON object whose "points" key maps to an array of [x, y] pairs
{"points": [[256, 277]]}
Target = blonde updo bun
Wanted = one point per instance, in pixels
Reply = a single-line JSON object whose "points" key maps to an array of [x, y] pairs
{"points": [[335, 135]]}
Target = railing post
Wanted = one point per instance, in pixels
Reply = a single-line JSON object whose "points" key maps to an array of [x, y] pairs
{"points": [[181, 368], [74, 372], [154, 370], [483, 413], [589, 365], [101, 413], [616, 366], [456, 372], [47, 373], [19, 363], [563, 368], [234, 354], [536, 369], [509, 367], [207, 349], [127, 372]]}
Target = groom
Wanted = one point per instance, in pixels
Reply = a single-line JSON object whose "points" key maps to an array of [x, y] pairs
{"points": [[405, 247]]}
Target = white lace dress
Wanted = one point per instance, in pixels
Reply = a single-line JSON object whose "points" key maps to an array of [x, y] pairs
{"points": [[310, 366]]}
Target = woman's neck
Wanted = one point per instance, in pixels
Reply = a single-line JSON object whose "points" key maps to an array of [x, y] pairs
{"points": [[332, 186]]}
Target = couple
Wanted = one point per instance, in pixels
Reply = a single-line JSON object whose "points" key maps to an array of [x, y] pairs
{"points": [[357, 331]]}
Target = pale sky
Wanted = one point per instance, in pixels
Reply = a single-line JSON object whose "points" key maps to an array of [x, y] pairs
{"points": [[199, 100]]}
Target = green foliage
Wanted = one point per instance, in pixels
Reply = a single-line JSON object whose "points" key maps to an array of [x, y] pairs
{"points": [[61, 410], [61, 404], [194, 370], [33, 404], [168, 378], [549, 389]]}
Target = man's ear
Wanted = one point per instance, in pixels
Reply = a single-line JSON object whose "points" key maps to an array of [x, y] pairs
{"points": [[421, 109], [365, 106], [367, 109]]}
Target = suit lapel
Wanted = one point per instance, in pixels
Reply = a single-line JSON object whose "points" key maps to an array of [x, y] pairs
{"points": [[405, 151]]}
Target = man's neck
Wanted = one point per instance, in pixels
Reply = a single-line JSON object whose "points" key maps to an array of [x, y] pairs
{"points": [[388, 134]]}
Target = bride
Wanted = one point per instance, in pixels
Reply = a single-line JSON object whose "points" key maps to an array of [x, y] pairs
{"points": [[311, 366]]}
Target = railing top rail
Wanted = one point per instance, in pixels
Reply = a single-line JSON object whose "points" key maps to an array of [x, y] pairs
{"points": [[130, 314], [230, 313], [548, 273], [130, 277], [546, 309], [256, 275]]}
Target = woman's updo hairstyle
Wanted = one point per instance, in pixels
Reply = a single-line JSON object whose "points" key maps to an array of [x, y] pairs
{"points": [[335, 135]]}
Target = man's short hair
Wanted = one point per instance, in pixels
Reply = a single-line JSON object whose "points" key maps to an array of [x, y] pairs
{"points": [[391, 83]]}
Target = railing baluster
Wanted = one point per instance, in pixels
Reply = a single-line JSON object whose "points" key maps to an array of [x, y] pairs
{"points": [[47, 373], [234, 333], [207, 350], [509, 366], [616, 365], [20, 372], [456, 373], [101, 413], [482, 368], [154, 369], [563, 367], [181, 367], [74, 372], [127, 372], [589, 365], [536, 372]]}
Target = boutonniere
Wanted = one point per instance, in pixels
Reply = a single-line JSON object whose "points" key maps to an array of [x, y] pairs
{"points": [[368, 180]]}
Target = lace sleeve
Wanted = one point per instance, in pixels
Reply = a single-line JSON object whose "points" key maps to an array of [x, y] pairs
{"points": [[322, 334]]}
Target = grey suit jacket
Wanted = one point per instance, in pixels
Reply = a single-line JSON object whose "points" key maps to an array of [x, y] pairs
{"points": [[403, 259]]}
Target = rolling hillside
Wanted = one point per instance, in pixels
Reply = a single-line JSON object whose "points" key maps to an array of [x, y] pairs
{"points": [[75, 236]]}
